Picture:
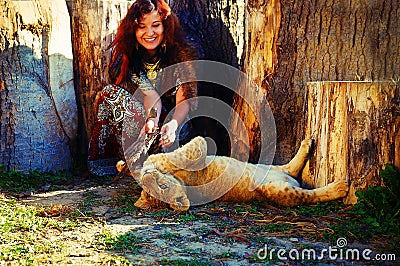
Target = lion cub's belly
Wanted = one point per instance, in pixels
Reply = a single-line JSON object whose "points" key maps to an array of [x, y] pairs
{"points": [[240, 180]]}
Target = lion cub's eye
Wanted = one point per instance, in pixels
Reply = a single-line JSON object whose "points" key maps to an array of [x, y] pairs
{"points": [[163, 186]]}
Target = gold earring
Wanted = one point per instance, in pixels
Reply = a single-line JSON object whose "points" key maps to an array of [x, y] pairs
{"points": [[164, 47]]}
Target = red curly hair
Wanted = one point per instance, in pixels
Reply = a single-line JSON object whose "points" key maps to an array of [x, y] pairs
{"points": [[127, 52]]}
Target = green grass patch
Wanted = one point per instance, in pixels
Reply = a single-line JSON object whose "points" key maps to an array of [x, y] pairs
{"points": [[182, 262], [376, 212], [170, 236], [320, 208], [23, 234], [17, 182], [125, 202], [380, 206], [251, 207], [159, 213], [124, 243], [186, 217], [90, 200]]}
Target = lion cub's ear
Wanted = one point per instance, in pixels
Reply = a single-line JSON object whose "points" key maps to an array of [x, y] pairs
{"points": [[142, 202], [146, 201]]}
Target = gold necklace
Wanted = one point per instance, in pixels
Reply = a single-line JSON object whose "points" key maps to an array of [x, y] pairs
{"points": [[151, 69]]}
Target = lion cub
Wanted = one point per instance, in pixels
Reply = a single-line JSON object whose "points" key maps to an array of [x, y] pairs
{"points": [[187, 176]]}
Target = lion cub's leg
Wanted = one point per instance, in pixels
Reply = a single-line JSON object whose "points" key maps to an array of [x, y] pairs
{"points": [[286, 194], [332, 191], [190, 156], [294, 167]]}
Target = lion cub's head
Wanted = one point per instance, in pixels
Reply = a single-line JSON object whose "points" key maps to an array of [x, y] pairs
{"points": [[160, 188]]}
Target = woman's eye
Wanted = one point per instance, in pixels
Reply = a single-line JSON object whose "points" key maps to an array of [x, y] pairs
{"points": [[156, 25]]}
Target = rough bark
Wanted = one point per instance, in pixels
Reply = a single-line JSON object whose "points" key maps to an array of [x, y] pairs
{"points": [[38, 118], [356, 128]]}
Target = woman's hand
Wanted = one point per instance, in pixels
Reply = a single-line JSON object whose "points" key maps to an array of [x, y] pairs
{"points": [[168, 133], [150, 127], [151, 101]]}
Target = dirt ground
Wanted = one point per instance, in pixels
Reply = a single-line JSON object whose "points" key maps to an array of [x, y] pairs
{"points": [[213, 234]]}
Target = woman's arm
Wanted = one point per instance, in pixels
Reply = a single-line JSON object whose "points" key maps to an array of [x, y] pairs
{"points": [[181, 108], [168, 130], [151, 99]]}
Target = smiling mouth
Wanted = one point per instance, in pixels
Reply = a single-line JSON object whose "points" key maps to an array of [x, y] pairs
{"points": [[150, 39]]}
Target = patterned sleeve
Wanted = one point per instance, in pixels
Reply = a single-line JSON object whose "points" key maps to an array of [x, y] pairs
{"points": [[142, 81]]}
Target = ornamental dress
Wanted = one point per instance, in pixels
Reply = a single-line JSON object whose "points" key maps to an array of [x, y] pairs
{"points": [[121, 116]]}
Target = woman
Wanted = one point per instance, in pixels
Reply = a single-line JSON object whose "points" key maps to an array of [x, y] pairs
{"points": [[149, 40]]}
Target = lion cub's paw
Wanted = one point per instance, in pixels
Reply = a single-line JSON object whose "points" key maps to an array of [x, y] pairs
{"points": [[340, 187], [146, 201], [307, 145], [120, 165]]}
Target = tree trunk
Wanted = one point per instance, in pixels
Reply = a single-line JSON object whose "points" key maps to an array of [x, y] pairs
{"points": [[216, 27], [260, 60], [38, 108], [94, 24], [217, 30], [356, 128], [242, 34]]}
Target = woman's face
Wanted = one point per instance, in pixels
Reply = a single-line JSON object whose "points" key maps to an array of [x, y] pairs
{"points": [[150, 32]]}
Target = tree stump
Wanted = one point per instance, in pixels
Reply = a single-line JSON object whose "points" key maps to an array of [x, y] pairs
{"points": [[356, 129]]}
